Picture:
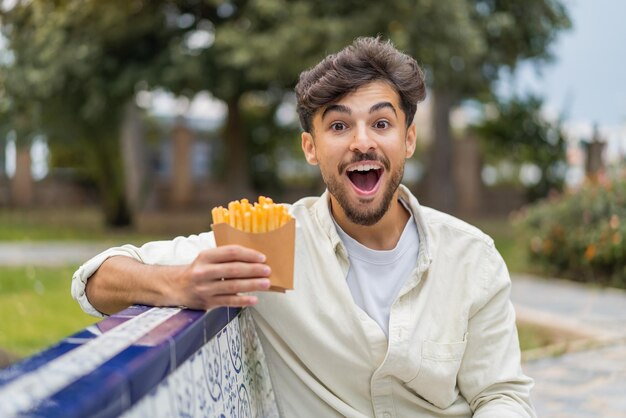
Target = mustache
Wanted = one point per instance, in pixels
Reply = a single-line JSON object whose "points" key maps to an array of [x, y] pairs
{"points": [[368, 156]]}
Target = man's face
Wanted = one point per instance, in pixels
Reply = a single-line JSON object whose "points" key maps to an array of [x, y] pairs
{"points": [[360, 143]]}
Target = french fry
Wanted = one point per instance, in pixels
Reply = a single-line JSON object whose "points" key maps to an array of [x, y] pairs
{"points": [[284, 218], [215, 214], [262, 220], [245, 205], [269, 209], [238, 220], [255, 220], [247, 219], [262, 216]]}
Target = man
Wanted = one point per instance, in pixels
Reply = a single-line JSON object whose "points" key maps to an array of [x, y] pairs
{"points": [[398, 310]]}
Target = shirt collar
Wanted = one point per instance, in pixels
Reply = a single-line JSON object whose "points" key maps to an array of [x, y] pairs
{"points": [[321, 209], [322, 213]]}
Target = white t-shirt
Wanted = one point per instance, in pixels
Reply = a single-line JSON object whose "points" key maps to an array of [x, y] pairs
{"points": [[376, 277]]}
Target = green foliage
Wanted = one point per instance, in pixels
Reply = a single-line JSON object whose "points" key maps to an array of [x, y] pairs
{"points": [[36, 308], [465, 44], [581, 234], [507, 242], [265, 139], [84, 51], [532, 336], [520, 135], [75, 64]]}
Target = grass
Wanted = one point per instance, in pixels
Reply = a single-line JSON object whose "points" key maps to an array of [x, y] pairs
{"points": [[36, 308], [532, 336], [508, 243]]}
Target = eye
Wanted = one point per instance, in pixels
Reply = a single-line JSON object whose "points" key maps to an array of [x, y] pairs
{"points": [[381, 124], [338, 126]]}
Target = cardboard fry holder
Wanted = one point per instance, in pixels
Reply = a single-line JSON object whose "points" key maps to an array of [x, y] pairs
{"points": [[277, 245]]}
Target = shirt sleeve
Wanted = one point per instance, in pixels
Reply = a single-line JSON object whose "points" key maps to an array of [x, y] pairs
{"points": [[491, 377], [181, 250]]}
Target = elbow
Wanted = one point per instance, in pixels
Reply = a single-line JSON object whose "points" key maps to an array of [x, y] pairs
{"points": [[505, 400]]}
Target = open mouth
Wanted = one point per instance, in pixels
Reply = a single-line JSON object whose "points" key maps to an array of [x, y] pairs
{"points": [[365, 177]]}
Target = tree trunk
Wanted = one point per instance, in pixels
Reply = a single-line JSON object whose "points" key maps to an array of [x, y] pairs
{"points": [[237, 170], [133, 156], [182, 181], [4, 183], [440, 177], [116, 211], [467, 176], [105, 166], [22, 186]]}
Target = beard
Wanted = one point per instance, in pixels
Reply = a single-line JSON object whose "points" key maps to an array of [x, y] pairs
{"points": [[360, 213]]}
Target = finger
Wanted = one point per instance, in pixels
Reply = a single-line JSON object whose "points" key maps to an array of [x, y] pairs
{"points": [[234, 301], [234, 286], [228, 253], [211, 272]]}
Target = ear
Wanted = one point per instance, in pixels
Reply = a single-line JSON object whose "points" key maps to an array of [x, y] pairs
{"points": [[308, 147], [411, 138]]}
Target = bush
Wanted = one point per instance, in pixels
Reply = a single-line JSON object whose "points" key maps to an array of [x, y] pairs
{"points": [[580, 234]]}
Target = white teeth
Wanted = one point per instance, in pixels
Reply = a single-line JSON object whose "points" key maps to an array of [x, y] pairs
{"points": [[363, 167]]}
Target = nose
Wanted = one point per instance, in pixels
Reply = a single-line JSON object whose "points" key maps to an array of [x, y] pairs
{"points": [[362, 140]]}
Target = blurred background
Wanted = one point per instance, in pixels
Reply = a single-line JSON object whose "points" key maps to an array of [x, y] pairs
{"points": [[127, 121]]}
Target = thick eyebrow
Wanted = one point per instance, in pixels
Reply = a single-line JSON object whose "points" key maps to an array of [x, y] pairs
{"points": [[336, 108], [346, 109], [383, 105]]}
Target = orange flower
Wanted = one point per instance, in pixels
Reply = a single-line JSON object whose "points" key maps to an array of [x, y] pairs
{"points": [[617, 238], [548, 246], [614, 222], [590, 252], [535, 244]]}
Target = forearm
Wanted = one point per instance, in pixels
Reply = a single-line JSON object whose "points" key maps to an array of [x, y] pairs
{"points": [[123, 281]]}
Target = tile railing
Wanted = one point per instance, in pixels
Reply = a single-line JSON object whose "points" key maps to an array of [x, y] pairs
{"points": [[147, 362]]}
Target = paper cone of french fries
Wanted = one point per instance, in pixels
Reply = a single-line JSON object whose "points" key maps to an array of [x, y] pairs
{"points": [[278, 245]]}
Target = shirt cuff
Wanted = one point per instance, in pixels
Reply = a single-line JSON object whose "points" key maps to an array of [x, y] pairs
{"points": [[84, 272]]}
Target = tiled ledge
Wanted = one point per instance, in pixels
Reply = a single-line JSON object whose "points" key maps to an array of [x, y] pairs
{"points": [[127, 363]]}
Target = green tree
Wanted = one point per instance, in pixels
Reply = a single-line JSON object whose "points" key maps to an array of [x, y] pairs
{"points": [[464, 46], [520, 135], [261, 46], [76, 63], [80, 63]]}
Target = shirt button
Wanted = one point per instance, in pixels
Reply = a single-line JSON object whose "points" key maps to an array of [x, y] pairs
{"points": [[386, 415]]}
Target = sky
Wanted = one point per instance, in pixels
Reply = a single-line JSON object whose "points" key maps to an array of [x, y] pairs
{"points": [[586, 84]]}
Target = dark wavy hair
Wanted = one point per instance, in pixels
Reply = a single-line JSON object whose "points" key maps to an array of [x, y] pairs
{"points": [[366, 60]]}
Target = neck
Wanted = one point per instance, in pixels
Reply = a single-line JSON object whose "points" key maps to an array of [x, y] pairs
{"points": [[383, 235]]}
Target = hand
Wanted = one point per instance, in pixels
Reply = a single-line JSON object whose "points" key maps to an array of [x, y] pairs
{"points": [[218, 276]]}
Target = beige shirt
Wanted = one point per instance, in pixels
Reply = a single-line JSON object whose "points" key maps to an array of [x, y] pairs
{"points": [[452, 349]]}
